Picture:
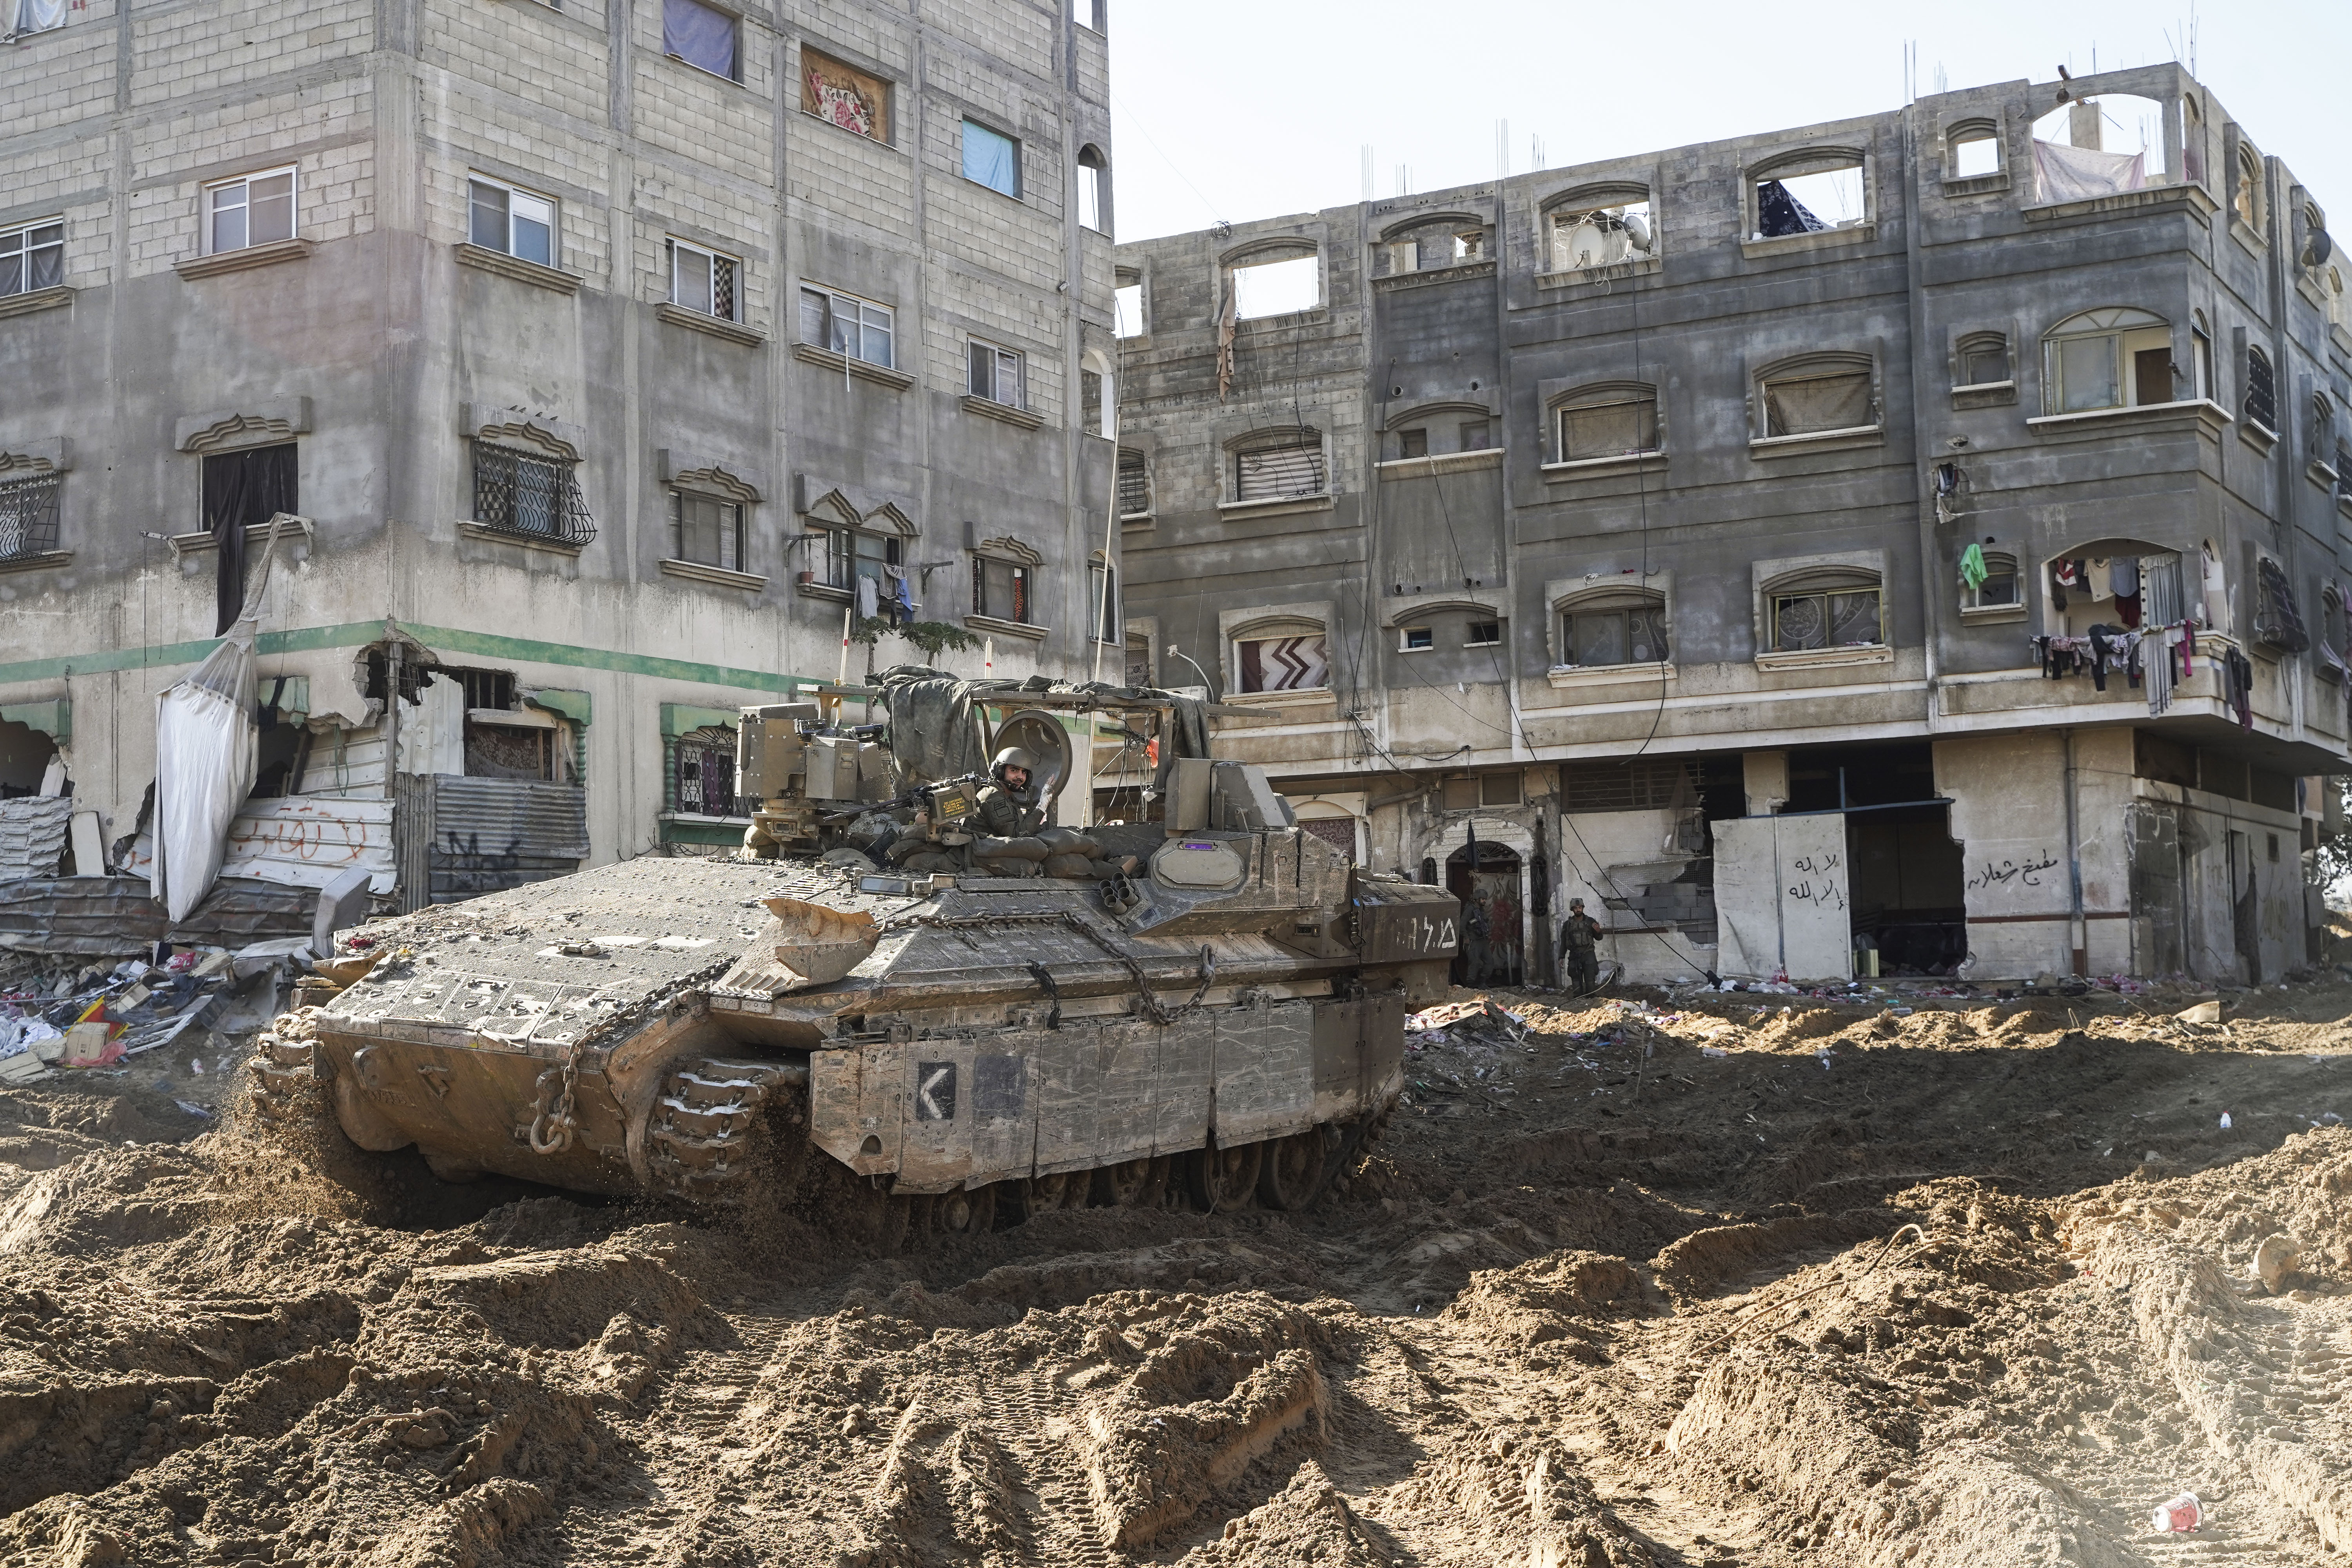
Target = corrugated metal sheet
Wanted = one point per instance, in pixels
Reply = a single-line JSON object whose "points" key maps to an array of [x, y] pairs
{"points": [[112, 916], [33, 834], [298, 841], [490, 835]]}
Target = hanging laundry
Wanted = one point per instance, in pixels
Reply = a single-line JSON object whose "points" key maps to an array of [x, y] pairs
{"points": [[2094, 579], [2158, 667], [2217, 592], [2100, 653], [2123, 575], [868, 599], [2128, 608], [2062, 577], [1972, 568]]}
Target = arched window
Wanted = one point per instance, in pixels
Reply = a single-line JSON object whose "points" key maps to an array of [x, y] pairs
{"points": [[703, 764], [1093, 190], [2262, 390], [1836, 608], [1808, 192], [2331, 631], [2114, 358], [1593, 229], [1998, 590], [1426, 244], [1982, 360], [1817, 394], [1971, 148], [2246, 200], [1612, 626], [1616, 420], [1275, 280], [1278, 464], [2323, 428], [1281, 655]]}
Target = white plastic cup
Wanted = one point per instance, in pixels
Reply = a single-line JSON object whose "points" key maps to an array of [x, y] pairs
{"points": [[2182, 1515]]}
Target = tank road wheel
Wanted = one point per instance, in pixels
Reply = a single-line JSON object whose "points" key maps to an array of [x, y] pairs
{"points": [[1127, 1185], [1221, 1179], [1012, 1205], [1062, 1190], [1292, 1174], [971, 1212]]}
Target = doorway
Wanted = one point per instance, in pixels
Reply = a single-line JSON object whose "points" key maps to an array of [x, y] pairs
{"points": [[1494, 943]]}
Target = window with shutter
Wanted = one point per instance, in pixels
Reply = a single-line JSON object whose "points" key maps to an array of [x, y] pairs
{"points": [[1134, 483], [1805, 404], [1612, 424], [1272, 470], [1283, 658]]}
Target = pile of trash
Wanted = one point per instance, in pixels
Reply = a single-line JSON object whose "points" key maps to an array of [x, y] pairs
{"points": [[93, 1016]]}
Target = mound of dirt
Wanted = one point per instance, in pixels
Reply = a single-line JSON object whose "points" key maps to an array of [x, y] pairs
{"points": [[1645, 1283]]}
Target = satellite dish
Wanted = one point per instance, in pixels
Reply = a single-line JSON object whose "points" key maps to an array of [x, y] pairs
{"points": [[2318, 249], [1637, 229]]}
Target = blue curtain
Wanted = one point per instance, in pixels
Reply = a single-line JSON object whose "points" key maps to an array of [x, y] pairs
{"points": [[699, 36], [991, 159]]}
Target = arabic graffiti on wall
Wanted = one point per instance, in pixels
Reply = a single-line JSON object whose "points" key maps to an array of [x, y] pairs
{"points": [[2025, 873], [1816, 880]]}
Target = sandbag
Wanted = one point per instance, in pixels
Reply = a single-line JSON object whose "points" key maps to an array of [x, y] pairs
{"points": [[989, 847], [1068, 865]]}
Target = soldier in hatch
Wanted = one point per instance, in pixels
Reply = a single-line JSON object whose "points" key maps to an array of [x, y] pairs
{"points": [[1579, 936], [1007, 805]]}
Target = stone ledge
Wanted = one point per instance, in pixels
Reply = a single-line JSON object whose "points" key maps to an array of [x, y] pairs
{"points": [[990, 408], [1441, 463], [1976, 184], [1459, 271], [1816, 239], [1321, 501], [1616, 271], [725, 578], [1984, 395], [1991, 615], [1650, 462], [880, 374], [554, 278], [1847, 440], [1314, 697], [825, 591], [1825, 658], [36, 561], [39, 299], [1564, 677], [249, 256], [2154, 198], [2088, 421], [255, 533], [695, 321], [995, 627], [495, 535]]}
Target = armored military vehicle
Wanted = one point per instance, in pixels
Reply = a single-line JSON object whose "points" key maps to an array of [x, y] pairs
{"points": [[1205, 1007]]}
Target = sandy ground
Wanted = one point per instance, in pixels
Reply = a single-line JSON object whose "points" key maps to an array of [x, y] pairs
{"points": [[1642, 1285]]}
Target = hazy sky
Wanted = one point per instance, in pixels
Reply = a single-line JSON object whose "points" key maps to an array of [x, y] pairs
{"points": [[1251, 108]]}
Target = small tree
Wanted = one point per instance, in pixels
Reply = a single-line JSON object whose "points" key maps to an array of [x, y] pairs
{"points": [[934, 637]]}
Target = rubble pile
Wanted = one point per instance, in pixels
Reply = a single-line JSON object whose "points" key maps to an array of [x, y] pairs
{"points": [[1651, 1280]]}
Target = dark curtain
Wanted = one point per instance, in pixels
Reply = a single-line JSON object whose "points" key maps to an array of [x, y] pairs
{"points": [[241, 490]]}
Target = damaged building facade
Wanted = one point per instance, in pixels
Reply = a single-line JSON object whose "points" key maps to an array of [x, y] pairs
{"points": [[1907, 544], [584, 372]]}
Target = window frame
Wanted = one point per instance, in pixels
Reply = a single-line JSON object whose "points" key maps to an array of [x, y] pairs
{"points": [[1971, 346], [1797, 164], [964, 160], [705, 745], [571, 521], [886, 132], [2267, 390], [1278, 255], [1092, 169], [1823, 586], [1118, 478], [209, 210], [1279, 439], [1967, 133], [680, 495], [1470, 638], [1998, 564], [833, 299], [1823, 365], [1416, 639], [1622, 603], [713, 260], [1572, 210], [1278, 628], [841, 542], [2132, 322], [998, 357], [25, 249], [32, 506], [1615, 394], [1020, 581], [735, 47], [1109, 621], [511, 190]]}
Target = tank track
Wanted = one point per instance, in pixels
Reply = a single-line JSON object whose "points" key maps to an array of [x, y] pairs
{"points": [[284, 1071], [703, 1141]]}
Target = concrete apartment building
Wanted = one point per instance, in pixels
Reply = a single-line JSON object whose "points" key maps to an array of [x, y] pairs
{"points": [[1676, 532], [603, 353]]}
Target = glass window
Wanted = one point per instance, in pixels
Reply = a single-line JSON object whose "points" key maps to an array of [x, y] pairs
{"points": [[512, 222], [999, 589], [32, 258], [1484, 634], [258, 209], [996, 374], [703, 280], [1104, 611], [2000, 587], [702, 35], [858, 328], [1614, 634], [851, 553], [1290, 662], [1127, 310], [1417, 638], [1984, 360], [1610, 425], [992, 158], [708, 531], [1839, 618]]}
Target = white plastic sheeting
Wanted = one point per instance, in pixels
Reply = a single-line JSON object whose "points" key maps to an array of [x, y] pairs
{"points": [[2063, 174], [207, 750], [20, 17]]}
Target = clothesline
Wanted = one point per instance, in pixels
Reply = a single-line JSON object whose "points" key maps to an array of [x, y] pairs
{"points": [[2101, 650]]}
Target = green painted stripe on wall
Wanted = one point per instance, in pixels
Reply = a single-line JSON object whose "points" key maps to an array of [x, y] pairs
{"points": [[442, 640]]}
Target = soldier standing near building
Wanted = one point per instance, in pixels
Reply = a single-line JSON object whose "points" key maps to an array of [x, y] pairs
{"points": [[1579, 936]]}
